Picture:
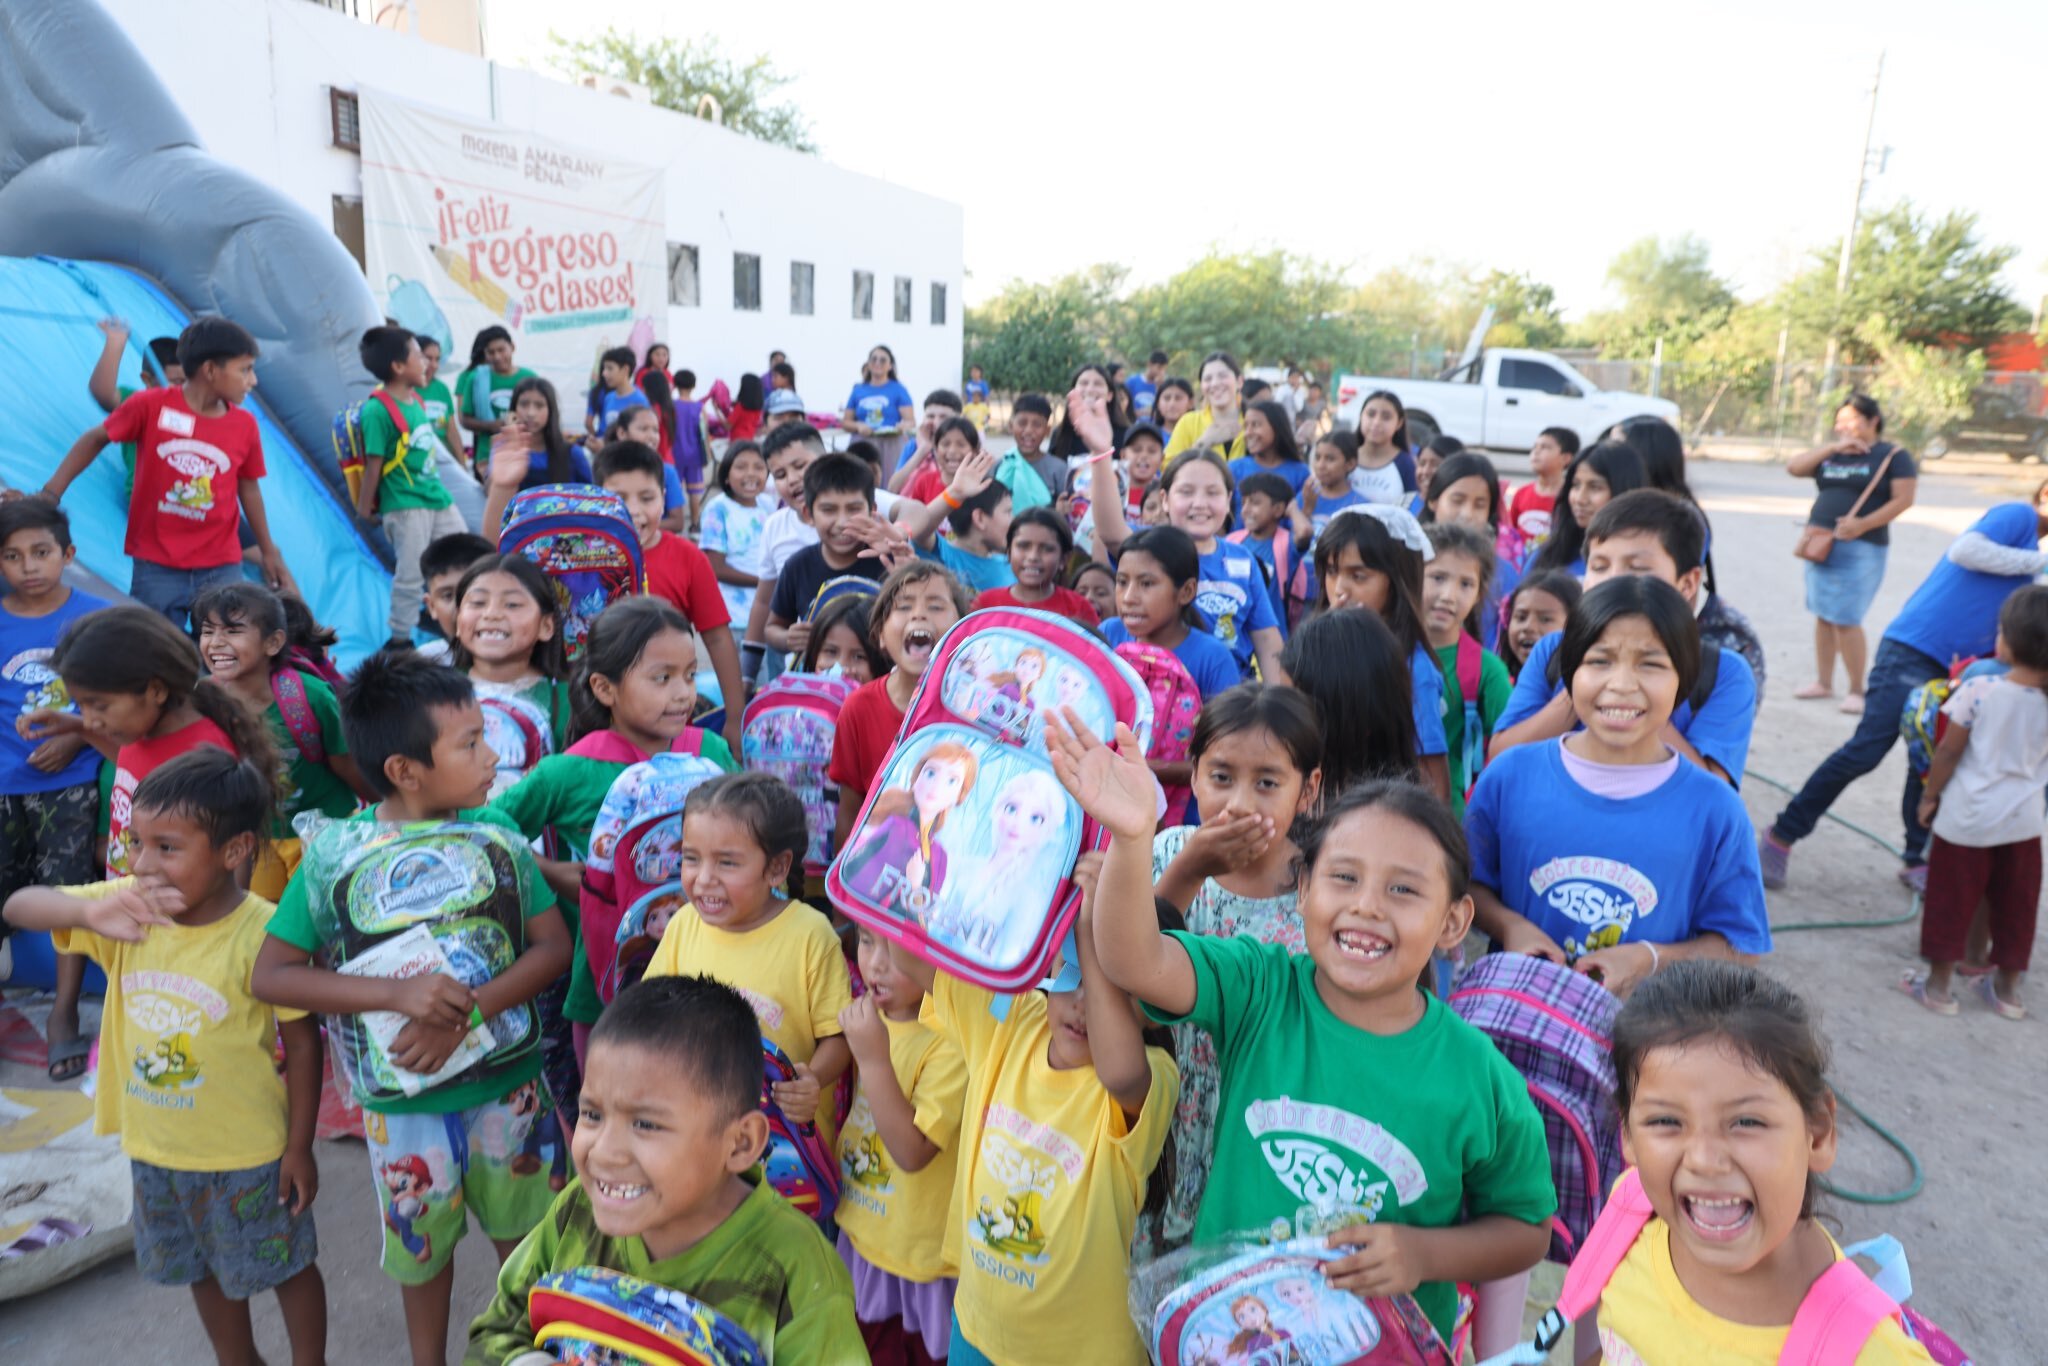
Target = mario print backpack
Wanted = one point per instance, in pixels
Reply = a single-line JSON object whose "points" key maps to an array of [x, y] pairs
{"points": [[796, 1162], [1557, 1027], [583, 540], [787, 730], [594, 1316], [964, 849], [632, 876], [1176, 705]]}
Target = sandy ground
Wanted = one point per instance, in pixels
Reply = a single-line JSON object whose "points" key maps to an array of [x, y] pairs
{"points": [[1968, 1095]]}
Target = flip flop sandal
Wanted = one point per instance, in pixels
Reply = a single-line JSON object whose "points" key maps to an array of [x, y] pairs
{"points": [[68, 1060], [1915, 985], [46, 1234], [2005, 1010]]}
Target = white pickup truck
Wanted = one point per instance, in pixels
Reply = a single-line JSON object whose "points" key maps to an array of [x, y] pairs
{"points": [[1502, 398]]}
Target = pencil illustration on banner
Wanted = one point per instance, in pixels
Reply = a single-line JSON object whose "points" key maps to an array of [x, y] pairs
{"points": [[482, 288]]}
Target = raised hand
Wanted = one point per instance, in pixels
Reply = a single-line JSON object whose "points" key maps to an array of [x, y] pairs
{"points": [[1114, 786], [1089, 416], [975, 474]]}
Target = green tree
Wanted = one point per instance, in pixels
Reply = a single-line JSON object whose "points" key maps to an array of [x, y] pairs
{"points": [[1034, 336], [1525, 310], [1922, 388], [1268, 308], [1667, 291], [1931, 281], [680, 73]]}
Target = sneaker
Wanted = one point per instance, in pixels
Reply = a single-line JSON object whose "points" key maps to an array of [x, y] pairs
{"points": [[1913, 876], [1774, 858]]}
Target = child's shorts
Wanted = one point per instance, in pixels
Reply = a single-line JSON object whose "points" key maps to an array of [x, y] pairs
{"points": [[226, 1225], [46, 838], [504, 1161]]}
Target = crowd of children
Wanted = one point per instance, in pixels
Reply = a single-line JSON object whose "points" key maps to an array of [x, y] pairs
{"points": [[1421, 706]]}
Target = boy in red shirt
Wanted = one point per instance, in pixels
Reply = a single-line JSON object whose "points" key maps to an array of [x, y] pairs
{"points": [[197, 463], [1039, 546], [1531, 506]]}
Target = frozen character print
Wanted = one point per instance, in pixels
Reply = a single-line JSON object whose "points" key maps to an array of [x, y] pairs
{"points": [[539, 1131], [1028, 812], [899, 861], [1014, 705], [1325, 1320], [407, 1182], [1256, 1331]]}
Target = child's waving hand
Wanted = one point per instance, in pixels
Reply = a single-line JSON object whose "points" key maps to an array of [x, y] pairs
{"points": [[1114, 786]]}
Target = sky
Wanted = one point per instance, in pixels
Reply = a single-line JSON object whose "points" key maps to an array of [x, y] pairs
{"points": [[1533, 137]]}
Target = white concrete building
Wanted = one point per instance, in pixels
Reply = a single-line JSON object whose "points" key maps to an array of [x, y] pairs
{"points": [[769, 249]]}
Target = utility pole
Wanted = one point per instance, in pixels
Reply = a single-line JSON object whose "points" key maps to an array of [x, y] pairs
{"points": [[1849, 238]]}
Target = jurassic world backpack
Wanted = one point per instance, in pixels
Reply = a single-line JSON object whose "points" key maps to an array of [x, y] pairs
{"points": [[595, 1316], [787, 730], [370, 881], [964, 849], [1176, 706], [583, 540], [632, 878], [1557, 1027], [796, 1162]]}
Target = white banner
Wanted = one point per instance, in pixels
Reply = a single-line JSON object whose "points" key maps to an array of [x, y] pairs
{"points": [[467, 223]]}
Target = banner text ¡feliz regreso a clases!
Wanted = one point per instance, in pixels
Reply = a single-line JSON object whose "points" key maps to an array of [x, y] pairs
{"points": [[557, 273]]}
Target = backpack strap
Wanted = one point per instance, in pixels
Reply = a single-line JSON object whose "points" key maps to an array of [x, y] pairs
{"points": [[1836, 1318], [396, 460], [608, 746], [288, 687], [1468, 666], [691, 741], [1709, 675], [1606, 1247]]}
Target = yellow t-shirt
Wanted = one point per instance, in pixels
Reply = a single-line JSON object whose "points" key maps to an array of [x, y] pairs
{"points": [[791, 970], [1047, 1197], [1188, 431], [187, 1075], [1648, 1319], [897, 1219]]}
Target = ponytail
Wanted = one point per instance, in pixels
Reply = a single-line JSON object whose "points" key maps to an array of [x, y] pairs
{"points": [[245, 729]]}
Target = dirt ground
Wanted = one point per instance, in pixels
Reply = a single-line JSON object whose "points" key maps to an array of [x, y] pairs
{"points": [[1968, 1095]]}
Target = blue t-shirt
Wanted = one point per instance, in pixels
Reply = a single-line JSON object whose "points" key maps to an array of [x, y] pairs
{"points": [[1144, 396], [1328, 506], [1719, 732], [976, 391], [1231, 596], [1293, 471], [28, 683], [1953, 614], [1505, 579], [611, 403], [537, 469], [1426, 699], [1589, 871], [672, 495], [979, 572], [1274, 579], [880, 406], [1208, 662]]}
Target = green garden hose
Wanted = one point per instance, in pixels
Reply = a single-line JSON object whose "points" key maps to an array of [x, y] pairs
{"points": [[1916, 1174]]}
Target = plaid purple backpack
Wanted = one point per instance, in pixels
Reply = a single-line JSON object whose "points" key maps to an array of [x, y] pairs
{"points": [[1557, 1027]]}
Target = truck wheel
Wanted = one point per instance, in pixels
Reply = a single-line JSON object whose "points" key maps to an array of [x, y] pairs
{"points": [[1422, 429]]}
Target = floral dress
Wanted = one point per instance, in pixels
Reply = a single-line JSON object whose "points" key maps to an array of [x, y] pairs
{"points": [[1221, 912]]}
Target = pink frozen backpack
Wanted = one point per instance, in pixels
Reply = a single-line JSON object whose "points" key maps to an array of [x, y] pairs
{"points": [[787, 730], [964, 849], [632, 875], [1840, 1312], [1176, 705]]}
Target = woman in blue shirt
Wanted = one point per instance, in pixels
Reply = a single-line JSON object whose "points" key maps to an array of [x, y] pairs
{"points": [[879, 406]]}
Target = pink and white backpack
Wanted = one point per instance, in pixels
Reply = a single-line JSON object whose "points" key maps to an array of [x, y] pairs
{"points": [[787, 730], [632, 878], [964, 850], [1176, 706]]}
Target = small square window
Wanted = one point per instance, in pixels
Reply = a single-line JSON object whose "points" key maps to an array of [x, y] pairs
{"points": [[938, 304], [803, 296], [863, 295], [903, 298], [682, 275], [746, 282]]}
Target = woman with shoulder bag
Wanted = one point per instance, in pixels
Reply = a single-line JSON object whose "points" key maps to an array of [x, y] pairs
{"points": [[1865, 482]]}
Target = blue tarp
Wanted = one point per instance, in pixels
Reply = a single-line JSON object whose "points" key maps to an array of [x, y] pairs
{"points": [[49, 342]]}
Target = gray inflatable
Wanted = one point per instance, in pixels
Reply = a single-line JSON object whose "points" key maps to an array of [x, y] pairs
{"points": [[98, 162]]}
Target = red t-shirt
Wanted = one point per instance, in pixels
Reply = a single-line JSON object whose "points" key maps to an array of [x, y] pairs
{"points": [[925, 485], [134, 763], [1529, 511], [1064, 602], [678, 571], [187, 471], [866, 730]]}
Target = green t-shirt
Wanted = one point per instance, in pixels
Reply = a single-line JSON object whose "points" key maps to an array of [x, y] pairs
{"points": [[500, 405], [314, 785], [293, 923], [1449, 1132], [413, 482], [767, 1268], [436, 399], [565, 791], [1494, 691]]}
